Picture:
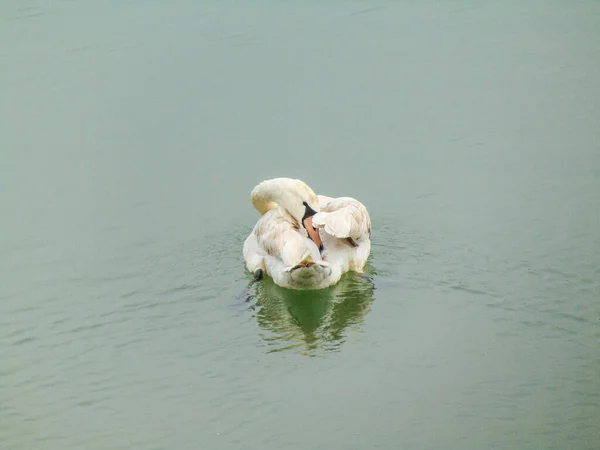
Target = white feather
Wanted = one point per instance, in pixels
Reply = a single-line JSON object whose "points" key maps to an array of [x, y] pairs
{"points": [[280, 246], [344, 217]]}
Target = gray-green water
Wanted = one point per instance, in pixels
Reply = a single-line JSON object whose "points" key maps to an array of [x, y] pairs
{"points": [[131, 133]]}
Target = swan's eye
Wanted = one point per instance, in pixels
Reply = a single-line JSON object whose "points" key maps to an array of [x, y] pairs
{"points": [[305, 204]]}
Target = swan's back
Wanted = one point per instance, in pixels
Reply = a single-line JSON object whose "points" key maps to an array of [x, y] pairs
{"points": [[275, 236]]}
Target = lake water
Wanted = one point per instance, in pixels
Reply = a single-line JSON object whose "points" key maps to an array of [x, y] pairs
{"points": [[131, 134]]}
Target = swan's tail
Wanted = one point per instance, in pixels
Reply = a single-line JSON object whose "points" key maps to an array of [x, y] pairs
{"points": [[310, 277], [307, 261]]}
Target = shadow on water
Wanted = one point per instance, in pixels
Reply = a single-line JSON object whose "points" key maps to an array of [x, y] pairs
{"points": [[311, 321]]}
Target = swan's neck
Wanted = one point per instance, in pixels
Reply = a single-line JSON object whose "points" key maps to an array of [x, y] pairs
{"points": [[263, 204], [265, 196], [287, 193]]}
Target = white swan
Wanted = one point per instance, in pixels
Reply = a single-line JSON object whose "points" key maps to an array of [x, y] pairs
{"points": [[304, 240]]}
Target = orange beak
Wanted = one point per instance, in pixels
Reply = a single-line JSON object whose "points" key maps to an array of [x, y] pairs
{"points": [[313, 233]]}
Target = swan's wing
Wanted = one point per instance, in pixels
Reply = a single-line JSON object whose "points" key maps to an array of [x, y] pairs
{"points": [[344, 218], [279, 238], [323, 201]]}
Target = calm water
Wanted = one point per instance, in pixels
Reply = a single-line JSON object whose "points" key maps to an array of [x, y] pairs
{"points": [[131, 133]]}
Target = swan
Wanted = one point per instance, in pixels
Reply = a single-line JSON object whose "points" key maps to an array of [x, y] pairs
{"points": [[304, 240]]}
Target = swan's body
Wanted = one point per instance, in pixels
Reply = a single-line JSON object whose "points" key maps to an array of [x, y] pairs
{"points": [[305, 241]]}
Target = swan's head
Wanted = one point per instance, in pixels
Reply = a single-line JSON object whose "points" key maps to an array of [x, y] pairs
{"points": [[306, 222], [295, 196]]}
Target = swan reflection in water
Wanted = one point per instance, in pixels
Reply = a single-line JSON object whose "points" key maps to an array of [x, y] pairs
{"points": [[310, 321]]}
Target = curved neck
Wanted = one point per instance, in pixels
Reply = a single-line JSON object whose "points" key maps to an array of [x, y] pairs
{"points": [[287, 193], [262, 197], [263, 205]]}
